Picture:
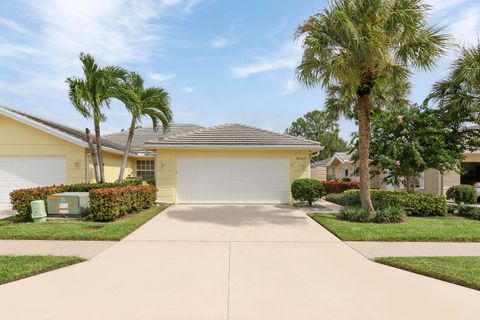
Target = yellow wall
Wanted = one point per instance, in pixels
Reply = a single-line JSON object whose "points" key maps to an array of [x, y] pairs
{"points": [[18, 139], [319, 173], [112, 162], [166, 165]]}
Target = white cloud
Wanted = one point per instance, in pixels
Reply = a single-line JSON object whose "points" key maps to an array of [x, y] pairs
{"points": [[440, 7], [162, 77], [12, 25], [191, 5], [466, 27], [219, 42], [287, 57], [289, 87], [188, 89], [12, 50]]}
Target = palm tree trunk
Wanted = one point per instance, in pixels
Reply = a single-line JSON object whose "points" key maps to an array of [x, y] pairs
{"points": [[99, 149], [131, 132], [93, 154], [364, 107]]}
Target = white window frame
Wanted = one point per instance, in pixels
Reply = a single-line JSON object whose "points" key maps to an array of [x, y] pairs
{"points": [[145, 165]]}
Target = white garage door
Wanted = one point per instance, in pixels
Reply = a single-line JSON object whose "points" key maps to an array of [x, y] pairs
{"points": [[232, 180], [29, 172]]}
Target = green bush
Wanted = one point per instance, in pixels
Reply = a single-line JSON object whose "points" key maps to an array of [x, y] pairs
{"points": [[469, 212], [413, 203], [21, 198], [108, 204], [307, 190], [390, 215], [353, 214], [462, 193]]}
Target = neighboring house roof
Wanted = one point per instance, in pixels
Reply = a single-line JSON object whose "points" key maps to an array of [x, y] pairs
{"points": [[62, 131], [233, 136], [145, 134], [343, 157]]}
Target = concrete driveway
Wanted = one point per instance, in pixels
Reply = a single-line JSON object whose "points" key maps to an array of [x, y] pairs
{"points": [[234, 262]]}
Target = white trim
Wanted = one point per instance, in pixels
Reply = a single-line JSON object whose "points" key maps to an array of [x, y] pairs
{"points": [[237, 146], [42, 127]]}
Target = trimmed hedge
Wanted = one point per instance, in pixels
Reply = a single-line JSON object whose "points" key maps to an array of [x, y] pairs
{"points": [[469, 212], [307, 190], [418, 204], [384, 215], [21, 198], [462, 193], [108, 204], [332, 186]]}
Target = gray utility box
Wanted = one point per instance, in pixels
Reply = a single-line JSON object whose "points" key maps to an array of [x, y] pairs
{"points": [[68, 204]]}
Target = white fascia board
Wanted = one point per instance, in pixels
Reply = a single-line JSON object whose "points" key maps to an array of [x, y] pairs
{"points": [[238, 146], [42, 127]]}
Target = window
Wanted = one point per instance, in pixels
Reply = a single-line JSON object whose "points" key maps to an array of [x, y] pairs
{"points": [[346, 173], [146, 169]]}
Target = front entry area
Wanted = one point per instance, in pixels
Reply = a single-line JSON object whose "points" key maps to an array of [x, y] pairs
{"points": [[233, 180]]}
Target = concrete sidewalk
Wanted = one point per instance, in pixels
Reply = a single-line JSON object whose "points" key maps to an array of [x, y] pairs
{"points": [[374, 249], [84, 249]]}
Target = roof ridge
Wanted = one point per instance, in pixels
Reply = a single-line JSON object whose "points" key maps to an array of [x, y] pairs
{"points": [[280, 134], [184, 134]]}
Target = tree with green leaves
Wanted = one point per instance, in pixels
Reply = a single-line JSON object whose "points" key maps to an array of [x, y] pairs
{"points": [[459, 92], [407, 141], [319, 126], [152, 102], [362, 53], [90, 95]]}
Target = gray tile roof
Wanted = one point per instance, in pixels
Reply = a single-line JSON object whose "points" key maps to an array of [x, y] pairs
{"points": [[144, 134], [344, 157], [232, 135], [75, 133]]}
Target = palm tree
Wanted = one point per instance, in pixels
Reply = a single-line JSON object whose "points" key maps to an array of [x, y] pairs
{"points": [[90, 94], [362, 52], [459, 93], [152, 102]]}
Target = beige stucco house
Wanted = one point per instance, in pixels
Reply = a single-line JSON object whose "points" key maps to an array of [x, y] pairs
{"points": [[431, 181]]}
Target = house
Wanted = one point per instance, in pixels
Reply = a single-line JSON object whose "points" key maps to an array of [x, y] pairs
{"points": [[224, 164], [431, 181], [229, 163]]}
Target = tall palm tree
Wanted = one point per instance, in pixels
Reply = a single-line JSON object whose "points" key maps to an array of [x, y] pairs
{"points": [[152, 102], [362, 52], [91, 94], [459, 92]]}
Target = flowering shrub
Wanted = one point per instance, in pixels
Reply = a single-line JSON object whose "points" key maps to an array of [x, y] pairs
{"points": [[332, 186], [21, 198], [107, 204]]}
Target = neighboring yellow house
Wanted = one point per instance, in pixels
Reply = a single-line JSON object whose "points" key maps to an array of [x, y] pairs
{"points": [[230, 163], [38, 152]]}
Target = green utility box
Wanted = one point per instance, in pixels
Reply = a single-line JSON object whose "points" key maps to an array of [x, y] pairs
{"points": [[38, 211], [68, 204]]}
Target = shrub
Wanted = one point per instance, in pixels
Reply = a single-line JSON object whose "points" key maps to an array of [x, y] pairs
{"points": [[470, 212], [353, 214], [21, 198], [390, 215], [462, 193], [346, 179], [307, 190], [413, 203], [332, 186], [107, 204]]}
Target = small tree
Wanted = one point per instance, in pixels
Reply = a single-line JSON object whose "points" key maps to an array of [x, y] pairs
{"points": [[307, 190], [319, 126], [462, 193]]}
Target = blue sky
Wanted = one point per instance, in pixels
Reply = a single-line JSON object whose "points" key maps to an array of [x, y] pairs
{"points": [[222, 61]]}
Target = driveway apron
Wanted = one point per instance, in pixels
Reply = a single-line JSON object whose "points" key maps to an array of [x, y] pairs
{"points": [[240, 262]]}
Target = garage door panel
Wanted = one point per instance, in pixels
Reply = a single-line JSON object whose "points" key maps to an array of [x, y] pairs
{"points": [[232, 180], [29, 172]]}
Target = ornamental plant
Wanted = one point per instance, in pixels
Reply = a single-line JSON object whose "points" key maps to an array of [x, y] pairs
{"points": [[307, 190], [462, 193]]}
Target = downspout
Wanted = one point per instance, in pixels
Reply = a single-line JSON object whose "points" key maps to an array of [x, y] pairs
{"points": [[87, 165]]}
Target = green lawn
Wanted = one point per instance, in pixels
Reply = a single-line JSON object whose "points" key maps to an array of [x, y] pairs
{"points": [[18, 267], [464, 271], [448, 228], [11, 228]]}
